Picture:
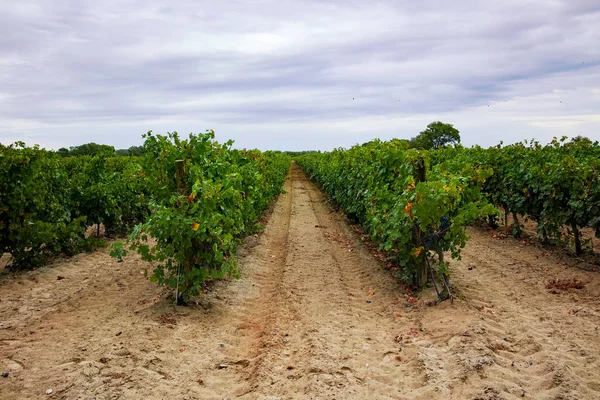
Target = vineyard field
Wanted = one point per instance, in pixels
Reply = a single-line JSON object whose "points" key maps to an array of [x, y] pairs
{"points": [[335, 254]]}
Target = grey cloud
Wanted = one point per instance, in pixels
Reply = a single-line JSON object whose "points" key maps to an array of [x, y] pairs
{"points": [[279, 66]]}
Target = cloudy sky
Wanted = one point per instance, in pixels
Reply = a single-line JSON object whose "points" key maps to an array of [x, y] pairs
{"points": [[311, 74]]}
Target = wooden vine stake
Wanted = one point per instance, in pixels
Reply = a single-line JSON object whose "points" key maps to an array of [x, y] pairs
{"points": [[577, 239], [421, 273], [180, 175]]}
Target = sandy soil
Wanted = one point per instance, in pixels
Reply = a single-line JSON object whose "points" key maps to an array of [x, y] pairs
{"points": [[315, 316]]}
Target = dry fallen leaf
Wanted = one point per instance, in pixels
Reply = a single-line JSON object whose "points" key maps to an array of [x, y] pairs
{"points": [[413, 331]]}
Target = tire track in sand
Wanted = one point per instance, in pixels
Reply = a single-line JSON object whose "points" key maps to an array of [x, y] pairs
{"points": [[327, 337]]}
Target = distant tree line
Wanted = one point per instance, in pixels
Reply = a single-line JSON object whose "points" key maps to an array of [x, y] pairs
{"points": [[94, 149], [298, 153], [437, 135]]}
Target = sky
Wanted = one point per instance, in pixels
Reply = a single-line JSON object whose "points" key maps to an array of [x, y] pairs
{"points": [[297, 75]]}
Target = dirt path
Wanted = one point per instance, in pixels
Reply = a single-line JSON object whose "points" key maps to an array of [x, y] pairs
{"points": [[315, 316]]}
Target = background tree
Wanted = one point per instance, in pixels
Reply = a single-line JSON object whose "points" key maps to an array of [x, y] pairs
{"points": [[92, 149], [132, 151], [122, 152], [437, 135], [136, 150]]}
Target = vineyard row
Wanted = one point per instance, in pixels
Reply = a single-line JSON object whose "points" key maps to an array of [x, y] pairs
{"points": [[416, 204], [186, 204]]}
